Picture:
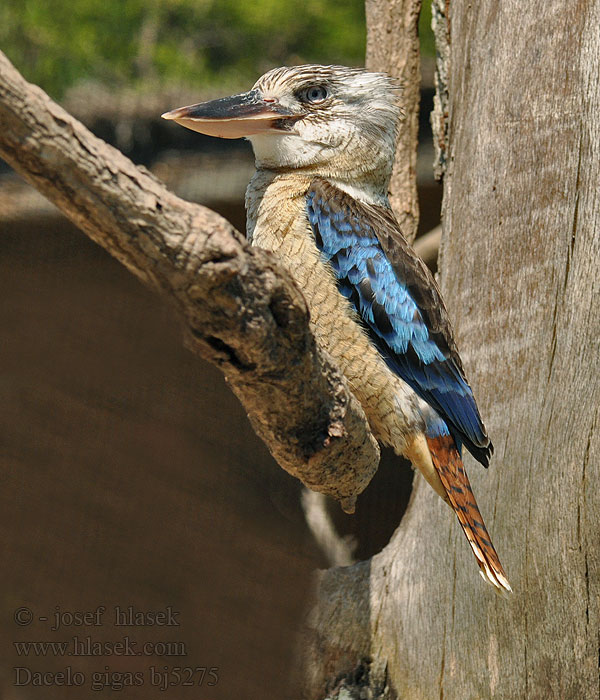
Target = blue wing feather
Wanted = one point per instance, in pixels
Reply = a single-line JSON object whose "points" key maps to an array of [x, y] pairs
{"points": [[349, 238]]}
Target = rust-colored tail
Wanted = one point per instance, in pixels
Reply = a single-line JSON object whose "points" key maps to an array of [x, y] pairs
{"points": [[449, 466]]}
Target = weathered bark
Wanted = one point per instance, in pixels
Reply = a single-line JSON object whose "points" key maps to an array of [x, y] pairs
{"points": [[519, 273], [242, 310], [439, 115], [393, 47]]}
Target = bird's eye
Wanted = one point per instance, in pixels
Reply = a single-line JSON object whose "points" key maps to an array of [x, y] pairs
{"points": [[313, 94]]}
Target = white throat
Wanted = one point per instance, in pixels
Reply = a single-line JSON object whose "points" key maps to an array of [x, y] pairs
{"points": [[290, 152], [286, 151]]}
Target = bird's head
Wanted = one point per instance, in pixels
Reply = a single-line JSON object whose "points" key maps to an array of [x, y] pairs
{"points": [[330, 121]]}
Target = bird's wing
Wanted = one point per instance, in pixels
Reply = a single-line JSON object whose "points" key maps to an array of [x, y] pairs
{"points": [[400, 305]]}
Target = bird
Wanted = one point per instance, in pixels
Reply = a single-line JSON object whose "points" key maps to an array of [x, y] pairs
{"points": [[324, 140]]}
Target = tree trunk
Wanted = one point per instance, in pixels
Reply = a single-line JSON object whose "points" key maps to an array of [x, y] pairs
{"points": [[393, 47], [521, 217]]}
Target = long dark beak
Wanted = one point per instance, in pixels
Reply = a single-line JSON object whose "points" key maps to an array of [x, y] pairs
{"points": [[232, 117]]}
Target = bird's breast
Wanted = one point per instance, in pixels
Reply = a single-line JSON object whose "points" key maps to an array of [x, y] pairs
{"points": [[278, 222]]}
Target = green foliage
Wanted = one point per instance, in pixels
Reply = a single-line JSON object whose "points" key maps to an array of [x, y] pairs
{"points": [[215, 43], [425, 31]]}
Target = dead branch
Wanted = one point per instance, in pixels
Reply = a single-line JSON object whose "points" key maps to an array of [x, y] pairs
{"points": [[241, 310], [393, 47]]}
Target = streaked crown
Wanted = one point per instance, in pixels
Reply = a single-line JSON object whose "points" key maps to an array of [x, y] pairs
{"points": [[329, 121]]}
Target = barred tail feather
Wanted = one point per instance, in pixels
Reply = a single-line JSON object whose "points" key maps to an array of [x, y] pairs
{"points": [[448, 464]]}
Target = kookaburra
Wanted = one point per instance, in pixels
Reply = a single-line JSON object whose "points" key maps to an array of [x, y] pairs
{"points": [[324, 141]]}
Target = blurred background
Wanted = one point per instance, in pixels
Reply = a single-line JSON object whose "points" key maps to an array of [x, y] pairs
{"points": [[130, 475]]}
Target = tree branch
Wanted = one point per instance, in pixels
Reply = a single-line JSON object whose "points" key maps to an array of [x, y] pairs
{"points": [[393, 47], [242, 310]]}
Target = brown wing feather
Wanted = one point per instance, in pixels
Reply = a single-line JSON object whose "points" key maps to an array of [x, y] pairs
{"points": [[449, 466], [407, 264], [412, 274]]}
